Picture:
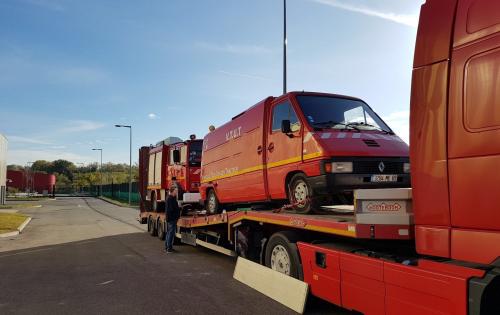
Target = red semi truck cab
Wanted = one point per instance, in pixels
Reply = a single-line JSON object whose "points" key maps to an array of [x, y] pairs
{"points": [[309, 148], [455, 130]]}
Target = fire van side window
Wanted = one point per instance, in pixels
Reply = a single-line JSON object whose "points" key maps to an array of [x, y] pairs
{"points": [[284, 111]]}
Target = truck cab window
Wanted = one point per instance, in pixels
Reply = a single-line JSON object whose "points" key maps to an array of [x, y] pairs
{"points": [[284, 111], [339, 113], [195, 149]]}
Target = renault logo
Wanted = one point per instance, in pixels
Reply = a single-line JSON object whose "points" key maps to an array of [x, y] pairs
{"points": [[381, 167]]}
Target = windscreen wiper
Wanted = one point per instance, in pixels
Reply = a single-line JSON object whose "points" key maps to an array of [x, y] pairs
{"points": [[331, 123], [352, 124]]}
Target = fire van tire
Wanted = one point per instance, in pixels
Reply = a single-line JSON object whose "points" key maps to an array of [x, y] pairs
{"points": [[161, 230], [282, 254], [213, 205], [300, 191]]}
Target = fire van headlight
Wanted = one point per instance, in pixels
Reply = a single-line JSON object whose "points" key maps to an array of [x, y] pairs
{"points": [[406, 167], [341, 167]]}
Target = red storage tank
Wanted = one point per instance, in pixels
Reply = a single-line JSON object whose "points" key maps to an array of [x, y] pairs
{"points": [[16, 179], [40, 182], [44, 182]]}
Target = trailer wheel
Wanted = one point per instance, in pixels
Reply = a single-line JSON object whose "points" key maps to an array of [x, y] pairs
{"points": [[300, 194], [282, 254], [213, 205], [152, 227], [161, 230], [149, 224]]}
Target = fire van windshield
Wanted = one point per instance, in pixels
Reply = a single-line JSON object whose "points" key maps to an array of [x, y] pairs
{"points": [[195, 153], [340, 113]]}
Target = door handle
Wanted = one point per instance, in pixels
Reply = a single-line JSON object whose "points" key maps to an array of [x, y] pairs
{"points": [[271, 147], [259, 149]]}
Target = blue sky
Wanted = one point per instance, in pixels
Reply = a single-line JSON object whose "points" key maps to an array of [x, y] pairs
{"points": [[70, 70]]}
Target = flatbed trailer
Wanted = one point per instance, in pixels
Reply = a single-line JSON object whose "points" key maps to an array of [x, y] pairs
{"points": [[369, 268]]}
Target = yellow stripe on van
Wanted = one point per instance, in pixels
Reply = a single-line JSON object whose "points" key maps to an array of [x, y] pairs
{"points": [[239, 172], [268, 165]]}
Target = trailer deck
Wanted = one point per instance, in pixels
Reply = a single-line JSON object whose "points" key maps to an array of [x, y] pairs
{"points": [[341, 223]]}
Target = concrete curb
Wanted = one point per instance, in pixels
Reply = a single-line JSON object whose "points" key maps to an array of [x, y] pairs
{"points": [[23, 225], [117, 203], [9, 234], [19, 229]]}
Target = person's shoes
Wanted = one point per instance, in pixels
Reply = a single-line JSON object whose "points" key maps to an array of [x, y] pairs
{"points": [[168, 250]]}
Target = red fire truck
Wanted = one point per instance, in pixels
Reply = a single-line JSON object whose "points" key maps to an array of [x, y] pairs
{"points": [[431, 249], [171, 162]]}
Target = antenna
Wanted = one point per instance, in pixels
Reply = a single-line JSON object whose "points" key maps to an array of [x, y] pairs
{"points": [[284, 46]]}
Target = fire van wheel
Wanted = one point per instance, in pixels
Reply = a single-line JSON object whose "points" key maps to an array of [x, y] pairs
{"points": [[213, 205], [300, 194], [282, 254], [161, 230]]}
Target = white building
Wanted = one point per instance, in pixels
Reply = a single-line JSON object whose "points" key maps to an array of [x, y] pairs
{"points": [[3, 169]]}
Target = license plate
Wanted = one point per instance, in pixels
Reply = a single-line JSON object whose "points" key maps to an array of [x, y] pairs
{"points": [[384, 178]]}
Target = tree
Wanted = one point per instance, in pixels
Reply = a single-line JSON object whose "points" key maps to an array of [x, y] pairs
{"points": [[64, 167], [42, 166]]}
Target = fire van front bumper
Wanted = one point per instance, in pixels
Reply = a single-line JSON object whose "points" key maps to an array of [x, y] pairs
{"points": [[336, 183]]}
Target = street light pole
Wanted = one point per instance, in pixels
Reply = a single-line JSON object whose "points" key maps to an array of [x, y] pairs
{"points": [[100, 173], [130, 163], [284, 46]]}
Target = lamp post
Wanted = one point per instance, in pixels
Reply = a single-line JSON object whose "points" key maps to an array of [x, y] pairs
{"points": [[30, 178], [130, 163], [284, 46], [100, 173]]}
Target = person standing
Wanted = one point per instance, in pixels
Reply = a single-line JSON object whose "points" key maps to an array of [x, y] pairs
{"points": [[173, 213]]}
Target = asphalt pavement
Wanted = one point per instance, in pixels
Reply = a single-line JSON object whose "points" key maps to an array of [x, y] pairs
{"points": [[87, 256]]}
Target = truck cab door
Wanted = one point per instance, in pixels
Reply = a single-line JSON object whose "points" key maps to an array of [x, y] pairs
{"points": [[474, 132], [284, 151]]}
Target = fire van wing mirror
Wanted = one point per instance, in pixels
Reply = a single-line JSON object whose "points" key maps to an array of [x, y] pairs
{"points": [[177, 156], [286, 128]]}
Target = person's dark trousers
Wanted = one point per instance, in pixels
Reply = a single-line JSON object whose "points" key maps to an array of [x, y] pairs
{"points": [[169, 239]]}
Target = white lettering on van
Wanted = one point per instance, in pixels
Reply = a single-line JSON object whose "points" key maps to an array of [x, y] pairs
{"points": [[233, 133]]}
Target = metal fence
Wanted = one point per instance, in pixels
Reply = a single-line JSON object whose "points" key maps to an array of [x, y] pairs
{"points": [[119, 192]]}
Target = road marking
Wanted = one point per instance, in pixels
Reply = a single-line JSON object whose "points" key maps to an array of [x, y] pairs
{"points": [[26, 252], [106, 282]]}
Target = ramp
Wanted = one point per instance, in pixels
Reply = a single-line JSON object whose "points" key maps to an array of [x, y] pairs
{"points": [[286, 290]]}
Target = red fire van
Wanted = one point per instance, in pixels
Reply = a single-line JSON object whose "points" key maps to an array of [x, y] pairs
{"points": [[308, 148]]}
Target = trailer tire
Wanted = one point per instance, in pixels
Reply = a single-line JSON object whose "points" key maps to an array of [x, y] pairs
{"points": [[300, 194], [282, 254], [152, 227], [161, 230], [149, 224], [212, 204]]}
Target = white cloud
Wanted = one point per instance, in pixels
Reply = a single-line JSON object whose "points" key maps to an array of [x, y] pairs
{"points": [[400, 124], [152, 116], [405, 19], [234, 49], [82, 125], [19, 139], [22, 157]]}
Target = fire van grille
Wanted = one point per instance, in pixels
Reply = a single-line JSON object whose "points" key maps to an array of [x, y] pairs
{"points": [[371, 143], [372, 167]]}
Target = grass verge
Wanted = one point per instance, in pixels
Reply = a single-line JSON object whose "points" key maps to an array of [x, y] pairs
{"points": [[119, 203], [11, 221]]}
